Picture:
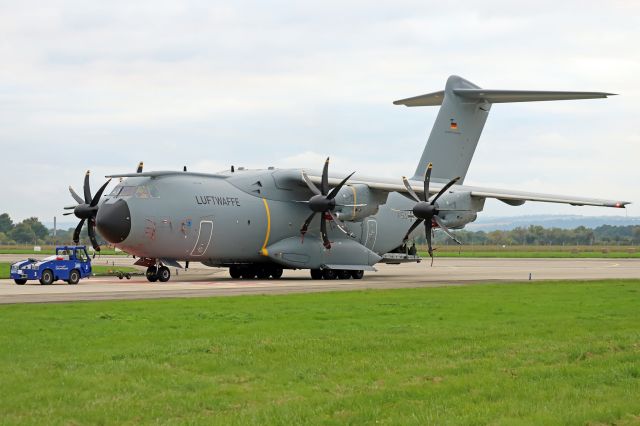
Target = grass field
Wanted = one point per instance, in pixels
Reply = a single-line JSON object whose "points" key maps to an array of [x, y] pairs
{"points": [[97, 269], [620, 252], [545, 353]]}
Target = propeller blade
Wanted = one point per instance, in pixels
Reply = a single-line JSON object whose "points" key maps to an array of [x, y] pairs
{"points": [[323, 232], [427, 227], [341, 226], [87, 188], [444, 189], [410, 189], [305, 225], [76, 232], [427, 180], [325, 178], [337, 189], [445, 229], [140, 166], [414, 226], [67, 214], [312, 186], [75, 196], [92, 236], [69, 207], [96, 198]]}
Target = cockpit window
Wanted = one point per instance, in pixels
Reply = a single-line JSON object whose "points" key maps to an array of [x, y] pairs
{"points": [[127, 191], [139, 191]]}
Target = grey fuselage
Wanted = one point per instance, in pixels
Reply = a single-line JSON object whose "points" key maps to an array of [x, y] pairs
{"points": [[243, 217]]}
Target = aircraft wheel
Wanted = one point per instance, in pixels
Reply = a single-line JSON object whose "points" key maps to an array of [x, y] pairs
{"points": [[263, 273], [276, 273], [329, 274], [164, 274], [152, 274], [248, 273], [47, 277], [234, 271], [357, 275], [316, 274], [74, 277], [344, 275], [20, 281], [128, 276]]}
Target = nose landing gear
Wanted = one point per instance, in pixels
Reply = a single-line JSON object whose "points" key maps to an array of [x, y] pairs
{"points": [[162, 274]]}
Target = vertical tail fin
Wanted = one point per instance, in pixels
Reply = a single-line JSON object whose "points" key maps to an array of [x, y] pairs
{"points": [[464, 110]]}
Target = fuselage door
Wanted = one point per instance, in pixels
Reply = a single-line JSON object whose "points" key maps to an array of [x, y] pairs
{"points": [[372, 233], [204, 238]]}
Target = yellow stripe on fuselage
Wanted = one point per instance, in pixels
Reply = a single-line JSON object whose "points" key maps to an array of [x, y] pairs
{"points": [[263, 250]]}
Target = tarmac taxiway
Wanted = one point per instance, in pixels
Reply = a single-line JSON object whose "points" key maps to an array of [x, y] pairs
{"points": [[201, 281]]}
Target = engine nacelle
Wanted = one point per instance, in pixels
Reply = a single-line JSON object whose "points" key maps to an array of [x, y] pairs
{"points": [[358, 194], [469, 207]]}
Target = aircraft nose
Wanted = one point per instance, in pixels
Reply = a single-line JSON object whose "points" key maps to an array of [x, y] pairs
{"points": [[114, 221]]}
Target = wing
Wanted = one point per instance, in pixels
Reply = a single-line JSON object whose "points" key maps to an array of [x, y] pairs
{"points": [[507, 196]]}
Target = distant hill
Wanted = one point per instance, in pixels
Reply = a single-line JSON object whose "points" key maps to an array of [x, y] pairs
{"points": [[492, 223]]}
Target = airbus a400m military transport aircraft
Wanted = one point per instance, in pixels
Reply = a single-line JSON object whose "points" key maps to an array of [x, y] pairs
{"points": [[259, 222]]}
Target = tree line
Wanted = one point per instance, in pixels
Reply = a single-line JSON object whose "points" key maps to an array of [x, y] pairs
{"points": [[539, 235], [32, 231]]}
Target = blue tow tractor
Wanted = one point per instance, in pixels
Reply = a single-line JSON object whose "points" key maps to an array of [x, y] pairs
{"points": [[70, 263]]}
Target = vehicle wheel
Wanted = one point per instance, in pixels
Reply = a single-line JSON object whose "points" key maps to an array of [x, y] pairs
{"points": [[74, 277], [128, 276], [329, 274], [344, 275], [357, 275], [152, 274], [20, 281], [120, 277], [47, 277], [316, 274], [164, 274], [276, 273], [263, 273], [234, 271]]}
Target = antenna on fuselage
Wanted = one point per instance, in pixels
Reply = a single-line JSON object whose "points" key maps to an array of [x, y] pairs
{"points": [[233, 169]]}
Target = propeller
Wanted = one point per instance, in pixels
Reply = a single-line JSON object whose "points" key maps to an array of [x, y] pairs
{"points": [[427, 211], [86, 210], [323, 202]]}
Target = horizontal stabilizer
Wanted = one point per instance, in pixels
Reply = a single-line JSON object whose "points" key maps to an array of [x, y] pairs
{"points": [[503, 96], [500, 96], [430, 99]]}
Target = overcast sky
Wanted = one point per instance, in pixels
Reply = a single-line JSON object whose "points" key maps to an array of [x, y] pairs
{"points": [[103, 85]]}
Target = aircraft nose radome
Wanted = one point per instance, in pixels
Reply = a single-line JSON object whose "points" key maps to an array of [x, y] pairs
{"points": [[114, 221]]}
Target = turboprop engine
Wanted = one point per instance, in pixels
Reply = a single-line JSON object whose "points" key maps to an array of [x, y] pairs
{"points": [[459, 208], [357, 202]]}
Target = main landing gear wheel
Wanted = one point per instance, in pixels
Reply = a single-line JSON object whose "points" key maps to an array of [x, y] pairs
{"points": [[235, 272], [74, 277], [152, 274], [276, 273], [47, 277], [357, 275], [249, 272], [20, 281], [344, 275], [164, 274], [316, 274], [329, 274], [263, 273]]}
